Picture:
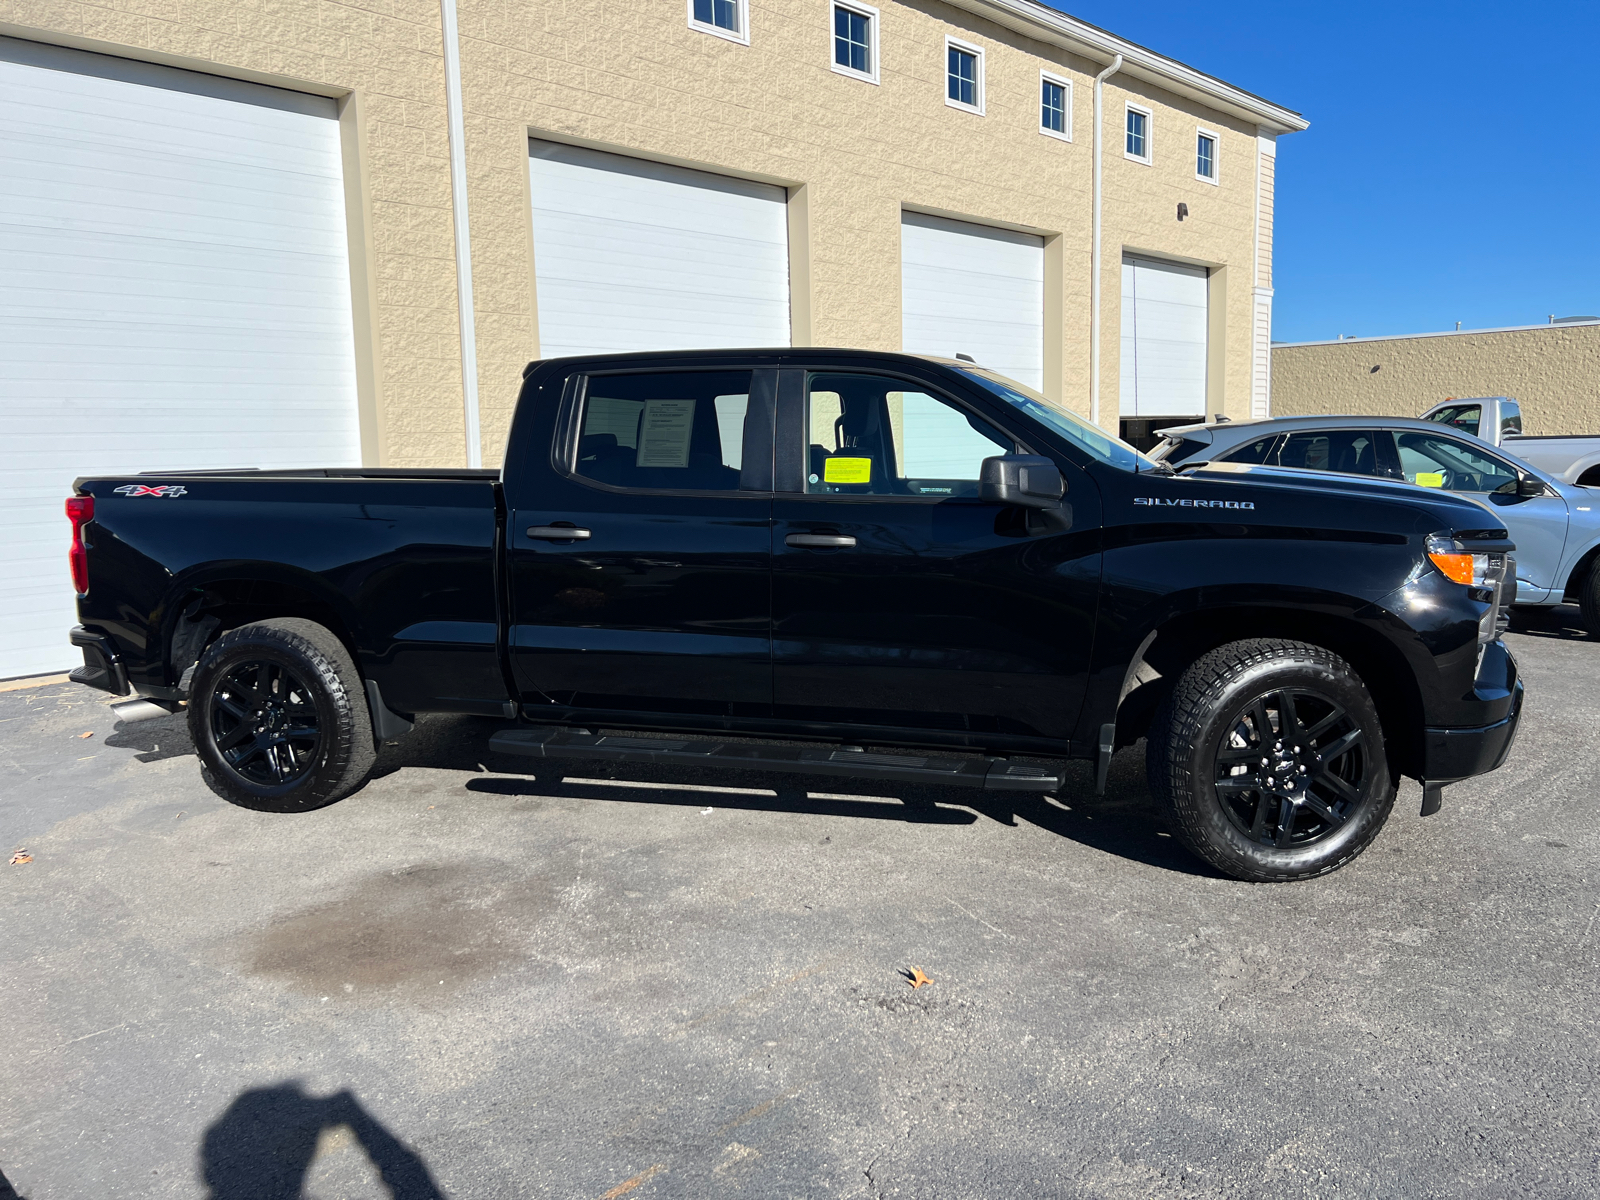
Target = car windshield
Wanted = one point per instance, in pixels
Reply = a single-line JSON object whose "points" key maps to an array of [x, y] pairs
{"points": [[1060, 420]]}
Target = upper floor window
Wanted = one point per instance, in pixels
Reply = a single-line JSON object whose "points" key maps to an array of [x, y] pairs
{"points": [[855, 41], [725, 18], [963, 76], [1055, 106], [1138, 130], [1205, 156]]}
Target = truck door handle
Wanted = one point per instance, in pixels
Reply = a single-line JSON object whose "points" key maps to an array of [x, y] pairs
{"points": [[819, 540], [558, 533]]}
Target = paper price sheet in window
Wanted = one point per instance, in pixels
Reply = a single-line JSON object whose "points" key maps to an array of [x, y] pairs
{"points": [[664, 433]]}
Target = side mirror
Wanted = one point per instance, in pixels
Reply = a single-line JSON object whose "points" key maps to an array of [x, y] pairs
{"points": [[1023, 480], [1529, 487]]}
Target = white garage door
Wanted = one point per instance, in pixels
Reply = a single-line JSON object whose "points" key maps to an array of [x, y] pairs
{"points": [[1163, 339], [636, 255], [174, 293], [969, 289]]}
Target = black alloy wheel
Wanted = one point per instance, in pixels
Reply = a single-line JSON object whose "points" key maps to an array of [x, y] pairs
{"points": [[1292, 768], [265, 723], [1269, 760], [278, 714]]}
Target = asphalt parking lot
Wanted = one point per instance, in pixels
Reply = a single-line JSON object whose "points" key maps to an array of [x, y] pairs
{"points": [[468, 981]]}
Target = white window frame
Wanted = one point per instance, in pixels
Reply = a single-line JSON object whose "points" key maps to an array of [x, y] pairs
{"points": [[873, 25], [1066, 116], [1149, 134], [944, 70], [742, 37], [1216, 157]]}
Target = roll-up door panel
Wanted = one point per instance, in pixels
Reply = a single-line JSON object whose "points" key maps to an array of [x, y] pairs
{"points": [[1164, 333], [636, 255], [174, 293], [971, 289]]}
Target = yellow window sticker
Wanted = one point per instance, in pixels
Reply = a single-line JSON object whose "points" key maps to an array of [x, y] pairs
{"points": [[847, 470], [1430, 479]]}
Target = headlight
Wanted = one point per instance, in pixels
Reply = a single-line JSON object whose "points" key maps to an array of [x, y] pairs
{"points": [[1464, 566]]}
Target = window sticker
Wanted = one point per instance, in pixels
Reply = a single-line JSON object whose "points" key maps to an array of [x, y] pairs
{"points": [[664, 433], [1430, 479], [847, 470]]}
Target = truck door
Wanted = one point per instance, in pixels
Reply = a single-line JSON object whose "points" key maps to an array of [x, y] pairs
{"points": [[639, 550], [899, 598]]}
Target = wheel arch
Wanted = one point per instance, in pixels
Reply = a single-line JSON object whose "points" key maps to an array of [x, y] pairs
{"points": [[206, 604], [1181, 639], [1580, 571]]}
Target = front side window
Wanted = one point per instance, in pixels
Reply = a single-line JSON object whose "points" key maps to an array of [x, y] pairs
{"points": [[723, 17], [1138, 143], [666, 431], [1465, 417], [1205, 156], [963, 76], [1348, 451], [854, 51], [872, 435], [1441, 462], [1055, 107], [1059, 420]]}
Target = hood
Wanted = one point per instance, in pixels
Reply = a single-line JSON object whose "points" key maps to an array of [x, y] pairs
{"points": [[1448, 510]]}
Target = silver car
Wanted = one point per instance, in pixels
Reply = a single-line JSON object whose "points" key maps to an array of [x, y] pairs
{"points": [[1555, 525]]}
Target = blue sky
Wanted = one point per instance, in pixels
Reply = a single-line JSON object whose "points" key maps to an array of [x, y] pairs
{"points": [[1452, 168]]}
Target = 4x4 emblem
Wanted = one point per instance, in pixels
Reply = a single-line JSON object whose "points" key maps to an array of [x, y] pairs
{"points": [[139, 489]]}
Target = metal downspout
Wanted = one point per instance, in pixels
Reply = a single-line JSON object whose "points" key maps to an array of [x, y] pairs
{"points": [[1094, 249], [458, 205]]}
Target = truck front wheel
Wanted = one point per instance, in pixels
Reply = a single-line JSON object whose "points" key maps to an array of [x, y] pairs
{"points": [[279, 718], [1269, 759]]}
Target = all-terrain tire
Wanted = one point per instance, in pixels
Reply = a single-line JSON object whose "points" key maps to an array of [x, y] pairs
{"points": [[1268, 758], [1589, 600], [279, 717]]}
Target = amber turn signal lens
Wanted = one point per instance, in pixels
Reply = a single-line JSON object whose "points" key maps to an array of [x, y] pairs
{"points": [[1455, 566]]}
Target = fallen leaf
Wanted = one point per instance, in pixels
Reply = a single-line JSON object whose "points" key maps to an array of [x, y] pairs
{"points": [[915, 977], [81, 736], [20, 857]]}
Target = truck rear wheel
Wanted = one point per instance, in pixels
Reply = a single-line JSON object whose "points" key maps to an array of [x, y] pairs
{"points": [[279, 718], [1269, 759]]}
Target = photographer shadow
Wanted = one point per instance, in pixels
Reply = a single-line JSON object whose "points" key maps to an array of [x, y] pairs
{"points": [[262, 1147]]}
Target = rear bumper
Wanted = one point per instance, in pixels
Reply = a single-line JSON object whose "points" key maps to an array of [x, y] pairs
{"points": [[102, 664], [1452, 754]]}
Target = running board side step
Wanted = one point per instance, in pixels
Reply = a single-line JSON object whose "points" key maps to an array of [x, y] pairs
{"points": [[990, 774]]}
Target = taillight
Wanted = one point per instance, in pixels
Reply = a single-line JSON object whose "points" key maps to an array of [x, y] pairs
{"points": [[80, 511]]}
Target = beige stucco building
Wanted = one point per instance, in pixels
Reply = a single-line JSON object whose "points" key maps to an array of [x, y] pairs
{"points": [[751, 93], [1553, 370]]}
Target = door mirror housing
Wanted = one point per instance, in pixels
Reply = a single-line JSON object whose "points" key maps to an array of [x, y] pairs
{"points": [[1022, 480], [1529, 487]]}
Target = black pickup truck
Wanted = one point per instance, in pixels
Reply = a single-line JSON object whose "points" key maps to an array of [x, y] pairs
{"points": [[824, 561]]}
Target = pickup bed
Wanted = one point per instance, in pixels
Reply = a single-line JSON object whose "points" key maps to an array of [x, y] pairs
{"points": [[841, 549]]}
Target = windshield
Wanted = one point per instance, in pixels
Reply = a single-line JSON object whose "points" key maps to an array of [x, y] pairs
{"points": [[1068, 424]]}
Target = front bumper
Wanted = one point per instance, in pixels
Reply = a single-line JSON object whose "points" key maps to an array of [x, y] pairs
{"points": [[1452, 754]]}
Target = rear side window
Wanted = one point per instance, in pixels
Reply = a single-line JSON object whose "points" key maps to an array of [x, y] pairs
{"points": [[1510, 417], [871, 435], [1349, 451], [672, 431], [1251, 452], [1176, 450]]}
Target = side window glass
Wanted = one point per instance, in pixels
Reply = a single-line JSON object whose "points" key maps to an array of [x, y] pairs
{"points": [[1511, 417], [1253, 452], [1465, 417], [1350, 451], [671, 431], [1446, 463], [871, 435]]}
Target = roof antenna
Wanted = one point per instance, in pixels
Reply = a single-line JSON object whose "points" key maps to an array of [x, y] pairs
{"points": [[966, 358]]}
